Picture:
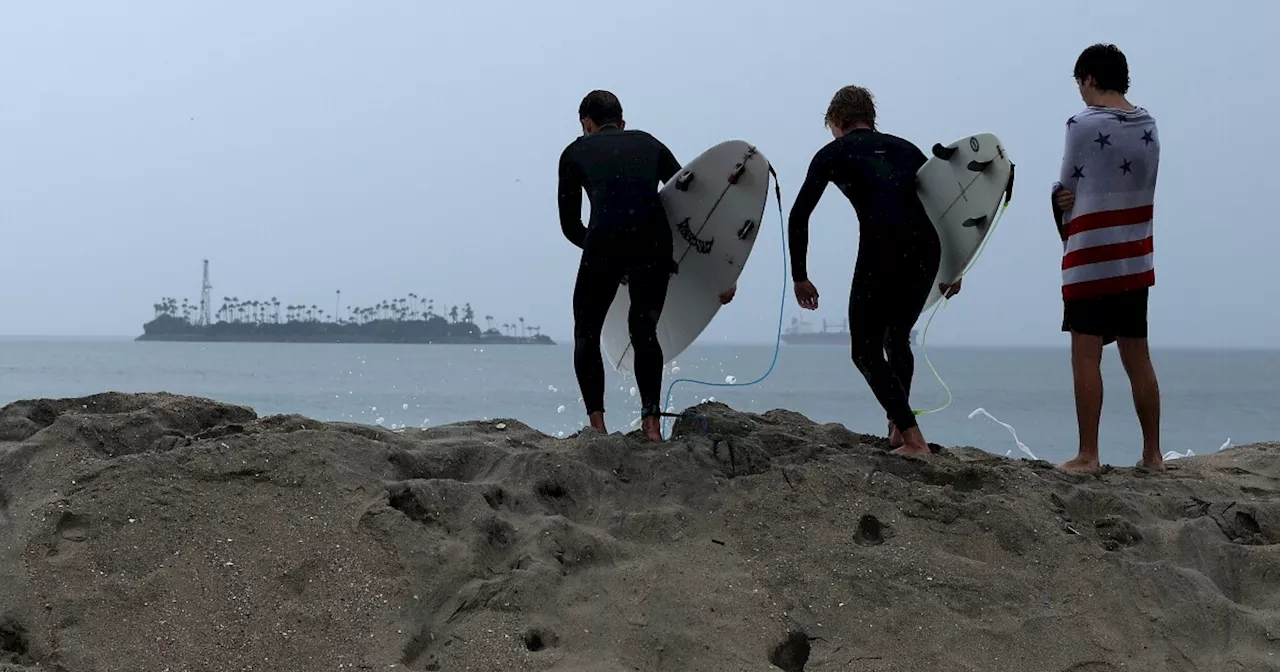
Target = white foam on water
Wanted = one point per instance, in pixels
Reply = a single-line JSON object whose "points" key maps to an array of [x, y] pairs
{"points": [[1175, 455], [633, 392], [560, 409], [730, 379], [379, 421], [1022, 446], [675, 370], [404, 407], [552, 389]]}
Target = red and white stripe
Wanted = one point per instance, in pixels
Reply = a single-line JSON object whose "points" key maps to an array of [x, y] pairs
{"points": [[1109, 246]]}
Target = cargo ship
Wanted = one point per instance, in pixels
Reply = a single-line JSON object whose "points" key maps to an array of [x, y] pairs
{"points": [[801, 333]]}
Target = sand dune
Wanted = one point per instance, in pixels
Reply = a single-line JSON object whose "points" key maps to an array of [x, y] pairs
{"points": [[158, 532]]}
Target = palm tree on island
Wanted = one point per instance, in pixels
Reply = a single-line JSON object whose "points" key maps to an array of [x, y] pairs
{"points": [[407, 319]]}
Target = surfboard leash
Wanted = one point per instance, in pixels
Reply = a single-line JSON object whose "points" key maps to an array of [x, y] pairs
{"points": [[777, 344], [924, 336]]}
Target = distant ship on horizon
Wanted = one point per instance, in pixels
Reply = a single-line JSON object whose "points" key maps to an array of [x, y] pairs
{"points": [[800, 333]]}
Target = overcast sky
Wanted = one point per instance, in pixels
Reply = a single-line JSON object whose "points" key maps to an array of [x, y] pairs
{"points": [[394, 146]]}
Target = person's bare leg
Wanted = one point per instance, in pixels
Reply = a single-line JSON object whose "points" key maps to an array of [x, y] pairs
{"points": [[597, 421], [1086, 370], [1136, 357]]}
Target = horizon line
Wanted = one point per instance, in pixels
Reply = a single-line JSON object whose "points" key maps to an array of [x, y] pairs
{"points": [[763, 343]]}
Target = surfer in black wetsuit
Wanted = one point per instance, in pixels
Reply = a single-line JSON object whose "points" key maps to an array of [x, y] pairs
{"points": [[627, 240], [898, 251]]}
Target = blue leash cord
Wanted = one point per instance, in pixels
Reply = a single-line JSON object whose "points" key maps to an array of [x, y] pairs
{"points": [[782, 305]]}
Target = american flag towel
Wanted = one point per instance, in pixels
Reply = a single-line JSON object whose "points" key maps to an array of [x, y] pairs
{"points": [[1110, 164]]}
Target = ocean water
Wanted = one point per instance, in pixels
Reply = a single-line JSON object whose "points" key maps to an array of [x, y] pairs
{"points": [[1208, 396]]}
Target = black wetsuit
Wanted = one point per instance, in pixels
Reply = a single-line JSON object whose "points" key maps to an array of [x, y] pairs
{"points": [[898, 255], [628, 239]]}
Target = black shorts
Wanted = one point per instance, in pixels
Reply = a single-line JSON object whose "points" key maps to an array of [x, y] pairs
{"points": [[1112, 316]]}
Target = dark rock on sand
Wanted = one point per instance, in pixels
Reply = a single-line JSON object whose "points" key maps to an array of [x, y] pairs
{"points": [[157, 532]]}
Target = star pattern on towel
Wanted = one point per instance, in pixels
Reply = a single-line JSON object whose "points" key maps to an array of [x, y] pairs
{"points": [[1070, 121], [1126, 167], [1147, 138], [1103, 140], [1121, 118], [1078, 173]]}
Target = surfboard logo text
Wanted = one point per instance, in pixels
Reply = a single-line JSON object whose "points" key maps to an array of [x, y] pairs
{"points": [[701, 246], [973, 144]]}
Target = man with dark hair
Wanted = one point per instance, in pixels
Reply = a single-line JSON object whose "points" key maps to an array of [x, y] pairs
{"points": [[628, 239], [1103, 208], [898, 251]]}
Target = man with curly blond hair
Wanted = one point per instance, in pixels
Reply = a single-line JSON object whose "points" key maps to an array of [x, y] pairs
{"points": [[898, 251]]}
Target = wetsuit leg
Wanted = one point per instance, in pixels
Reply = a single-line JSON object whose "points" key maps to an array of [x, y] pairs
{"points": [[870, 314], [648, 287], [897, 349], [913, 282], [593, 293]]}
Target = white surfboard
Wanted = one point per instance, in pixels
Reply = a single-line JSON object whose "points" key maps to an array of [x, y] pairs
{"points": [[714, 204], [961, 188]]}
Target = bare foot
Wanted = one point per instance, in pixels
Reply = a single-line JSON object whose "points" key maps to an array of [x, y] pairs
{"points": [[597, 422], [895, 437], [1154, 462], [652, 426], [1082, 465], [913, 444]]}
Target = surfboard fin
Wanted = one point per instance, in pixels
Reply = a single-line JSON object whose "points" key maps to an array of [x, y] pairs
{"points": [[683, 180], [974, 221], [944, 153], [978, 166]]}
